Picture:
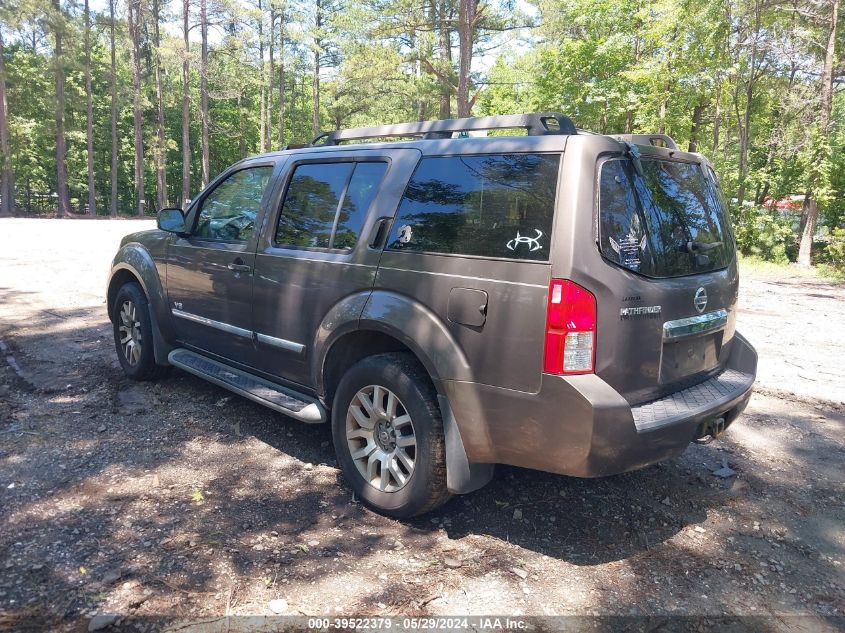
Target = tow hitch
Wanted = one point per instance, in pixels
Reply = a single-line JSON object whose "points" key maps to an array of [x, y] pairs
{"points": [[709, 430]]}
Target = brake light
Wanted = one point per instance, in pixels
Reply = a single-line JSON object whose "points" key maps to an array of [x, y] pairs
{"points": [[570, 329]]}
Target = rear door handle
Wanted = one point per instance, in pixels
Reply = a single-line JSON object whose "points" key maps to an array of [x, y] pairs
{"points": [[380, 232], [239, 266]]}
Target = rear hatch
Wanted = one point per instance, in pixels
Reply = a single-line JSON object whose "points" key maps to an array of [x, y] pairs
{"points": [[666, 311]]}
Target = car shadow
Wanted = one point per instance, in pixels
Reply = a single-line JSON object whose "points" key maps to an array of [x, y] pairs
{"points": [[152, 483]]}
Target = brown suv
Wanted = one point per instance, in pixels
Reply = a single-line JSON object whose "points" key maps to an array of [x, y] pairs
{"points": [[557, 300]]}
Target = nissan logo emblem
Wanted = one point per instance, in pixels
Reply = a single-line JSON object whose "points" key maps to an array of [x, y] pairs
{"points": [[700, 300]]}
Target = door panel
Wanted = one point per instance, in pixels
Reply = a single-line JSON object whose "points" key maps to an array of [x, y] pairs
{"points": [[209, 274], [471, 242], [316, 249], [210, 302]]}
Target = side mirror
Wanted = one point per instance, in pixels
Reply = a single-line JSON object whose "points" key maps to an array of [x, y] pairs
{"points": [[172, 221]]}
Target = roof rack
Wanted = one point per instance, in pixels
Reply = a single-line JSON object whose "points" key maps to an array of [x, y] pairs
{"points": [[537, 124], [657, 140]]}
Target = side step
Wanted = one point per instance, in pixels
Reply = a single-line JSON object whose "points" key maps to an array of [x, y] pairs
{"points": [[257, 389]]}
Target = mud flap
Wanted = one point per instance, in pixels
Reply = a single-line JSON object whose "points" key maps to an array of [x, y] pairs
{"points": [[161, 347], [461, 476]]}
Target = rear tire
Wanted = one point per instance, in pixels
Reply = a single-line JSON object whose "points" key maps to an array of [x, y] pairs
{"points": [[133, 334], [388, 435]]}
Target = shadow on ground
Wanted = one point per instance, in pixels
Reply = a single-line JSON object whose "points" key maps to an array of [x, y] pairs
{"points": [[174, 497]]}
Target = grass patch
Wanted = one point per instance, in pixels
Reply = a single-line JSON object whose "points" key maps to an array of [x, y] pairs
{"points": [[761, 268]]}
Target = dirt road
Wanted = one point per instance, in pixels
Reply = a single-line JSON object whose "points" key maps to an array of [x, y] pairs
{"points": [[179, 499]]}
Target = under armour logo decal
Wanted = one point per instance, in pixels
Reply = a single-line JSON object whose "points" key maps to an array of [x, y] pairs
{"points": [[533, 242]]}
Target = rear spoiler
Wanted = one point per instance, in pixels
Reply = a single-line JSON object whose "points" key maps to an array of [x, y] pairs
{"points": [[657, 140]]}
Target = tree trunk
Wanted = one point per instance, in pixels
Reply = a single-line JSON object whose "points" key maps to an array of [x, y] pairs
{"points": [[717, 117], [466, 37], [271, 79], [315, 86], [241, 128], [204, 90], [282, 79], [744, 137], [811, 209], [7, 176], [629, 114], [664, 101], [61, 143], [445, 32], [745, 125], [161, 143], [137, 114], [827, 75], [262, 131], [809, 221], [743, 163], [697, 111], [89, 123], [186, 106], [114, 150]]}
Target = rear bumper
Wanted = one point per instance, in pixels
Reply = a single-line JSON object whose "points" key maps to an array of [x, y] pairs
{"points": [[581, 426]]}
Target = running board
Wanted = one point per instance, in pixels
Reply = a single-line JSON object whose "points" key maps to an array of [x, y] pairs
{"points": [[250, 386]]}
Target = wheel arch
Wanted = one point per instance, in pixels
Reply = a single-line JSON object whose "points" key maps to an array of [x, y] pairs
{"points": [[133, 263], [121, 275], [390, 322]]}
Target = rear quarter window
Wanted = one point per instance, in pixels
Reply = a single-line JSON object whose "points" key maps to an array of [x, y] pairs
{"points": [[489, 205]]}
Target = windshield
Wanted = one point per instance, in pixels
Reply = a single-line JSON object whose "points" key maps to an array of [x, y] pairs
{"points": [[666, 219]]}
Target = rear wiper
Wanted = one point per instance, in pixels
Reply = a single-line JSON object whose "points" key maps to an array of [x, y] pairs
{"points": [[633, 152], [695, 247]]}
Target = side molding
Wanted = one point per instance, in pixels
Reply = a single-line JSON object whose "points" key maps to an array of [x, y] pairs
{"points": [[461, 475]]}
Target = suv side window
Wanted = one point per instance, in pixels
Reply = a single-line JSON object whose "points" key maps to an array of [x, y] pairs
{"points": [[359, 196], [326, 204], [487, 205], [228, 212]]}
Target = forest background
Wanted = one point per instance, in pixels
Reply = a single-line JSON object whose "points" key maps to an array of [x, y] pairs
{"points": [[123, 107]]}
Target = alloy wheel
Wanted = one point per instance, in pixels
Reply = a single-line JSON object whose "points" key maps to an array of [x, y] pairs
{"points": [[381, 438], [130, 332]]}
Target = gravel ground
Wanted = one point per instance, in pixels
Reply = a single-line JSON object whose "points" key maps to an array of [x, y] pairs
{"points": [[179, 499]]}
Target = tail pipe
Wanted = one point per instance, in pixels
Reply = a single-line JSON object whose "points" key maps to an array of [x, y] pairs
{"points": [[709, 430]]}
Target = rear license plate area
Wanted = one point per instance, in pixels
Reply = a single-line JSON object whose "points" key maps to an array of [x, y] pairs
{"points": [[689, 356]]}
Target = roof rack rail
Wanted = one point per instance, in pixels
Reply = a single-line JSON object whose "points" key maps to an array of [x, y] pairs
{"points": [[537, 124], [657, 140]]}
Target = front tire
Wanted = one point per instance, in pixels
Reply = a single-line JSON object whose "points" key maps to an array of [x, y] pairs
{"points": [[388, 435], [133, 334]]}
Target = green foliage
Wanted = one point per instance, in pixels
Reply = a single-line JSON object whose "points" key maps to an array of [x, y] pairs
{"points": [[765, 234], [717, 75], [833, 252]]}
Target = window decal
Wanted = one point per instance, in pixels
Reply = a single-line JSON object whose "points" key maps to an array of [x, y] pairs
{"points": [[533, 242], [405, 233]]}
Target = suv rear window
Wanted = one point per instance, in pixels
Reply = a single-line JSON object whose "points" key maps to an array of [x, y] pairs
{"points": [[488, 205], [667, 221]]}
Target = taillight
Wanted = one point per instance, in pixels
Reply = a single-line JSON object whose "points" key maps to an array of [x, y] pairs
{"points": [[570, 329]]}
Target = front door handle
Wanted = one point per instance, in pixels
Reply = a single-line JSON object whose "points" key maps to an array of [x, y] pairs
{"points": [[239, 266]]}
